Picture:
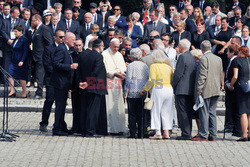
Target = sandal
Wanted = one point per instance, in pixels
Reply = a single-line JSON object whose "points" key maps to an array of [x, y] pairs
{"points": [[158, 137], [165, 137]]}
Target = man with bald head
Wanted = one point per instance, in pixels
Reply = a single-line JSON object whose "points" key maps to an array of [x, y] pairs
{"points": [[61, 79], [115, 67]]}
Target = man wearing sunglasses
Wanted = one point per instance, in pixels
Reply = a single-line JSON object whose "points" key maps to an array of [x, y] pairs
{"points": [[120, 20], [78, 3], [48, 56]]}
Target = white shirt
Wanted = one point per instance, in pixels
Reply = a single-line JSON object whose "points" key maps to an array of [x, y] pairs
{"points": [[39, 26], [165, 21], [6, 17], [171, 52], [68, 22], [117, 18], [94, 17]]}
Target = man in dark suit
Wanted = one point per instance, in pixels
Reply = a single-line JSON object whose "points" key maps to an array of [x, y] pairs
{"points": [[120, 20], [55, 24], [75, 96], [105, 13], [26, 13], [61, 80], [202, 4], [208, 84], [154, 25], [6, 11], [58, 8], [69, 24], [40, 39], [48, 56], [180, 5], [239, 4], [92, 82], [8, 35], [237, 14], [96, 18], [183, 85], [85, 27], [213, 30], [190, 25]]}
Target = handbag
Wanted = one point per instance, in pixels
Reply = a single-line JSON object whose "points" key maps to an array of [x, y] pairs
{"points": [[245, 86], [149, 102]]}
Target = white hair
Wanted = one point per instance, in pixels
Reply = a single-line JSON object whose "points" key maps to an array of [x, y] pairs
{"points": [[111, 17], [159, 45], [114, 40], [58, 4], [88, 13], [196, 53], [136, 15], [145, 47], [185, 44], [206, 46], [136, 54]]}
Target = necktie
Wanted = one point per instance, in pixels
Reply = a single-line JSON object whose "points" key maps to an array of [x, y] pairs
{"points": [[54, 28], [103, 19], [201, 6], [68, 25], [154, 25]]}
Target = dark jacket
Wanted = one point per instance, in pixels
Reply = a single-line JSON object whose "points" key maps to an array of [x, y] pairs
{"points": [[61, 77], [92, 70], [190, 25], [121, 22], [135, 34], [160, 27], [184, 75], [74, 27], [185, 34]]}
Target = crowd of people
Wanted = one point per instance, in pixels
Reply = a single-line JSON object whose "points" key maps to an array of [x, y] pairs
{"points": [[179, 56]]}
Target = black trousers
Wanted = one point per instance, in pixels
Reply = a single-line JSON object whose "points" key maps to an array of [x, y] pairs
{"points": [[102, 127], [90, 109], [233, 116], [184, 106], [135, 116], [30, 69], [76, 102], [6, 59], [60, 99], [39, 73], [47, 105]]}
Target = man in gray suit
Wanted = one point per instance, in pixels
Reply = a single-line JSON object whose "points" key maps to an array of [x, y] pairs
{"points": [[154, 25], [183, 85], [208, 84]]}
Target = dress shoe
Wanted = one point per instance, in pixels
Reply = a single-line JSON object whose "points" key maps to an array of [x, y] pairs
{"points": [[37, 97], [23, 97], [243, 139], [211, 139], [59, 133], [182, 138], [12, 95], [68, 131], [199, 138], [43, 128]]}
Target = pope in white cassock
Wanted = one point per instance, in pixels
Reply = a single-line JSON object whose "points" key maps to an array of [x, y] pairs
{"points": [[115, 67]]}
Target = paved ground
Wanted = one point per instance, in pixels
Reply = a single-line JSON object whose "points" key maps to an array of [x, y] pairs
{"points": [[35, 149]]}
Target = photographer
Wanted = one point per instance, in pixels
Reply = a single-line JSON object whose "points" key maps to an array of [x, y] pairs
{"points": [[127, 44], [94, 34]]}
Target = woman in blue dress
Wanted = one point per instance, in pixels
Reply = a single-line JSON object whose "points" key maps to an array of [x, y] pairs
{"points": [[18, 65]]}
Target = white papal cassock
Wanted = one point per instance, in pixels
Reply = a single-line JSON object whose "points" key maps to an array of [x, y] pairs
{"points": [[114, 100]]}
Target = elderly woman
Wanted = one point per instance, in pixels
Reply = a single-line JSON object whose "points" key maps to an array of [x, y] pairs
{"points": [[245, 36], [180, 33], [136, 77], [160, 78], [136, 17], [94, 31], [133, 31], [18, 65], [241, 74]]}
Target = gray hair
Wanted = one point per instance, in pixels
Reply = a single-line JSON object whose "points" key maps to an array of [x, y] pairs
{"points": [[136, 15], [88, 13], [237, 8], [54, 15], [112, 17], [127, 39], [136, 54], [185, 44], [145, 47], [58, 4], [197, 53], [160, 46], [176, 14], [206, 46], [160, 57]]}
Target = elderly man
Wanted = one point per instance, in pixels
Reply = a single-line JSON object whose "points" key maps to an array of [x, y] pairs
{"points": [[61, 79], [183, 85], [58, 9], [85, 27], [208, 84], [145, 49], [116, 68], [207, 14]]}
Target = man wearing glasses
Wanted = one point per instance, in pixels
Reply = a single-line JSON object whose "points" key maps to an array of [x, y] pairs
{"points": [[78, 3], [120, 20], [172, 10], [47, 62]]}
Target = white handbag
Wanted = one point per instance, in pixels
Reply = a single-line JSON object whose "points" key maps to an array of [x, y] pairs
{"points": [[149, 102]]}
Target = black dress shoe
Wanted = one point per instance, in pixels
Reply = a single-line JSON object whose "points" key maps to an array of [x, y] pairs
{"points": [[131, 137], [68, 131], [60, 133], [43, 128], [182, 138], [37, 97], [243, 139], [23, 97], [12, 96]]}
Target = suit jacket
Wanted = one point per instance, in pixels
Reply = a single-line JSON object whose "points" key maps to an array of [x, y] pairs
{"points": [[106, 17], [232, 21], [135, 34], [185, 34], [81, 16], [74, 27], [190, 25], [209, 75], [61, 77], [48, 56], [205, 4], [92, 70], [84, 32], [21, 49], [184, 75], [211, 30], [179, 7], [27, 26], [40, 39], [160, 27], [59, 26], [6, 29], [121, 22], [98, 20]]}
